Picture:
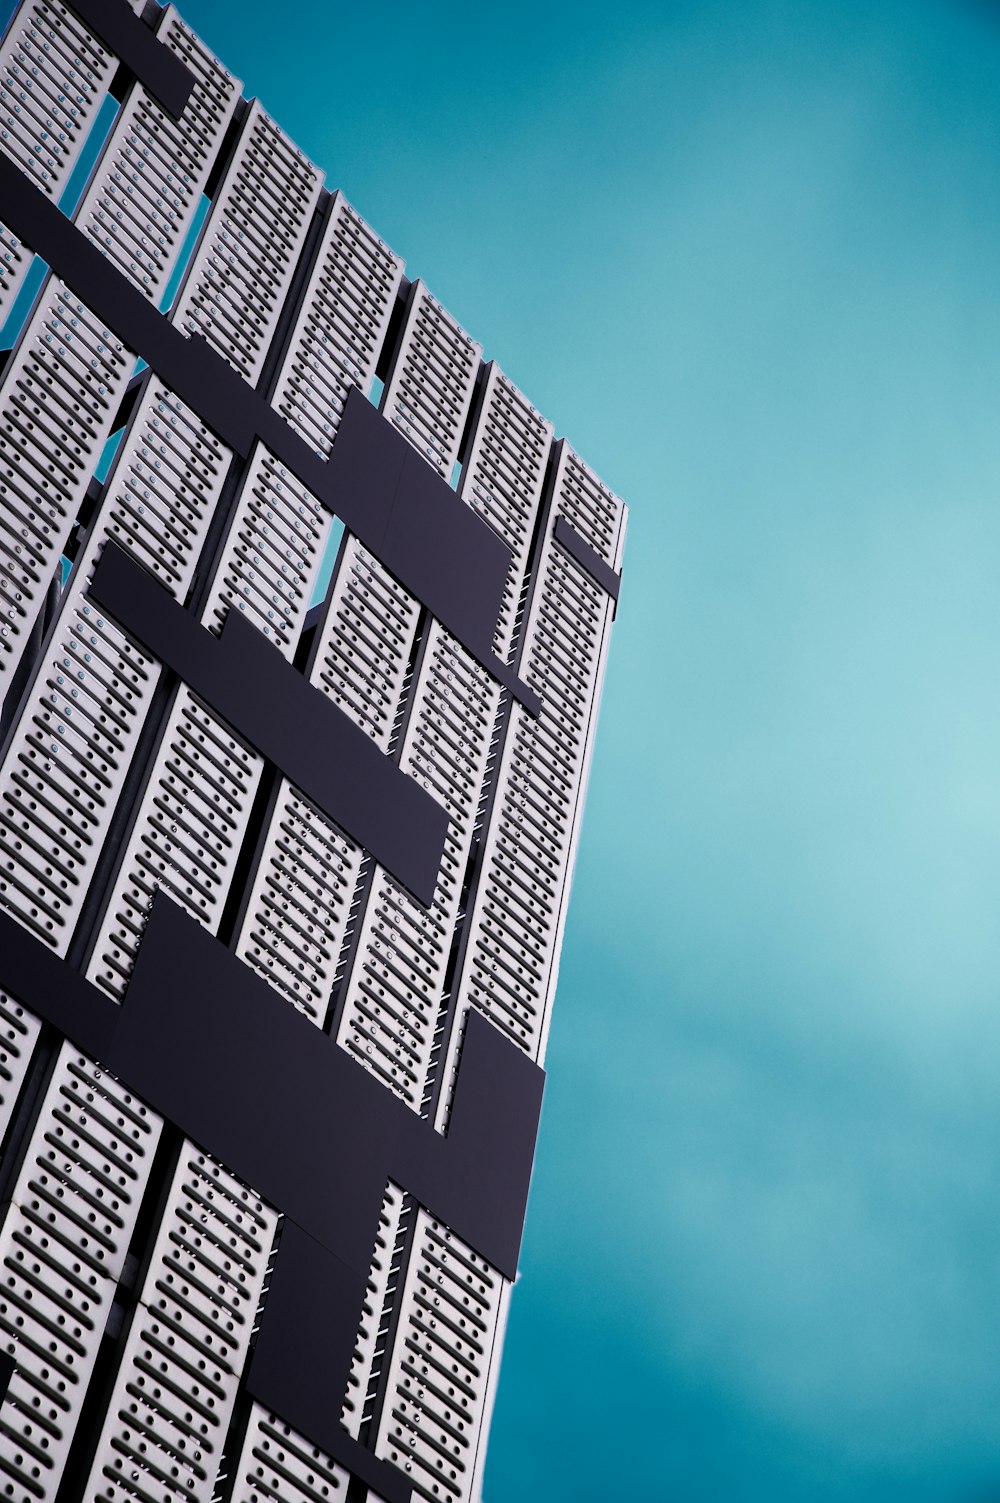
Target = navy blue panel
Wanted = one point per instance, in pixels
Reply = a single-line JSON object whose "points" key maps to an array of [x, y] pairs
{"points": [[268, 703], [160, 71], [462, 584], [600, 571]]}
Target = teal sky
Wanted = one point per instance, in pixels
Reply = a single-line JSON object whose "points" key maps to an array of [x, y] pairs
{"points": [[746, 255]]}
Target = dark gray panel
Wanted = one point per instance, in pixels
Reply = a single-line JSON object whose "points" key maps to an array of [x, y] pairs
{"points": [[600, 571]]}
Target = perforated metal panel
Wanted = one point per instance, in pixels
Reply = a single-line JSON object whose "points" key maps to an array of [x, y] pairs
{"points": [[62, 1247], [380, 1296], [438, 1374], [392, 1013], [300, 910], [173, 1396], [271, 556], [53, 76], [141, 200], [237, 282], [516, 922], [395, 992], [428, 394], [74, 744], [18, 1031], [340, 328], [278, 1466], [502, 481]]}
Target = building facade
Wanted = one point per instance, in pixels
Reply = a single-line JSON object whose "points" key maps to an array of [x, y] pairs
{"points": [[282, 884]]}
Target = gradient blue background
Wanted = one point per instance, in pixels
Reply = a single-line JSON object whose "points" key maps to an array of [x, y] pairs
{"points": [[746, 255]]}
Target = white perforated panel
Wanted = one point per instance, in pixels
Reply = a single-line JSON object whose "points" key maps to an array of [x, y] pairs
{"points": [[53, 76], [142, 198], [68, 759], [278, 1466], [239, 277], [173, 1397], [380, 1295], [62, 1248], [438, 1375], [428, 394], [516, 923], [339, 331], [58, 398], [502, 482]]}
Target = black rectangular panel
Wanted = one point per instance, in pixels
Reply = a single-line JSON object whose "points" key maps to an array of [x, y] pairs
{"points": [[600, 571], [160, 71]]}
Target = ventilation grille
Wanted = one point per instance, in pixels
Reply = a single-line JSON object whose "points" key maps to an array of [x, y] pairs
{"points": [[439, 1372], [502, 483], [428, 395], [62, 1248], [340, 330], [68, 759], [140, 204], [239, 278], [278, 1466], [174, 1393]]}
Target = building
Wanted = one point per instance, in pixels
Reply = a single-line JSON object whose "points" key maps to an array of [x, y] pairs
{"points": [[265, 869]]}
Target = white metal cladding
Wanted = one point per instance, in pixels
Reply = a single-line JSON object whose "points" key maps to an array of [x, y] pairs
{"points": [[519, 907], [193, 815], [53, 77], [142, 198], [380, 1294], [58, 399], [62, 388], [240, 275], [173, 1396], [62, 1248], [18, 1032], [271, 556], [428, 394], [276, 1464], [63, 771], [395, 995], [502, 480], [295, 926], [425, 1363], [396, 988], [340, 327], [439, 1370]]}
